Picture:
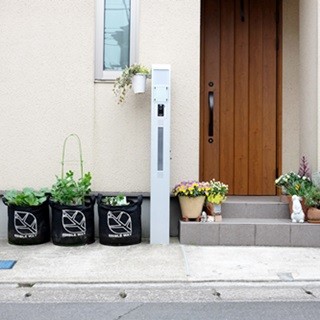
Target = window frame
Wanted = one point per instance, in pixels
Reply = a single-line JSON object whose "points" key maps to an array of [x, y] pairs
{"points": [[101, 74]]}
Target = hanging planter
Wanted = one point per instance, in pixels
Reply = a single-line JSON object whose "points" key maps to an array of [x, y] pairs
{"points": [[72, 207], [133, 77], [139, 83]]}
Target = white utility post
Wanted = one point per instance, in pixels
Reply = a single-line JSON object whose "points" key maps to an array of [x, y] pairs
{"points": [[160, 155]]}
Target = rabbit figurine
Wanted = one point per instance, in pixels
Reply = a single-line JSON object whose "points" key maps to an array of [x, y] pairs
{"points": [[297, 214]]}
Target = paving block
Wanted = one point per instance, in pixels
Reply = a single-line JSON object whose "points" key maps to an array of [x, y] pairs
{"points": [[305, 235], [237, 234], [272, 235], [199, 233], [209, 234], [190, 233]]}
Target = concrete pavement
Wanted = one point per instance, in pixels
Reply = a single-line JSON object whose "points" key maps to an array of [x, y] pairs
{"points": [[145, 263]]}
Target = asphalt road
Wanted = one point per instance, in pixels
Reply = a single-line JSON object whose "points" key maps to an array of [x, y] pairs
{"points": [[179, 301], [162, 311]]}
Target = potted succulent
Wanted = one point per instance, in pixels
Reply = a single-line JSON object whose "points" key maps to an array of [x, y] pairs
{"points": [[72, 206], [28, 216], [216, 194], [119, 220], [134, 76], [192, 195]]}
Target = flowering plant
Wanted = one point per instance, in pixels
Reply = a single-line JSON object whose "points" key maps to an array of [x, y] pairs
{"points": [[191, 189], [294, 184], [217, 192]]}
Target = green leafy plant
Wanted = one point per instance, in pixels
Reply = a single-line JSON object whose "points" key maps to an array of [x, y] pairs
{"points": [[119, 200], [68, 191], [124, 82], [312, 198], [217, 192], [26, 197], [294, 184]]}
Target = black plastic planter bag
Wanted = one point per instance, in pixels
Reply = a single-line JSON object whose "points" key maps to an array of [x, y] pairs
{"points": [[28, 224], [73, 225], [120, 225]]}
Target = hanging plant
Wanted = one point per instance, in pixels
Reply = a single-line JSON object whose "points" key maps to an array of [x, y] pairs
{"points": [[124, 82]]}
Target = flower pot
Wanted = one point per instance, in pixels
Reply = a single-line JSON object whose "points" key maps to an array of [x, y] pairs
{"points": [[120, 225], [191, 207], [313, 215], [28, 225], [139, 83], [73, 225]]}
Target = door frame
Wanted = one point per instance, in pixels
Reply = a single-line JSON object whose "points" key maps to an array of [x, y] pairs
{"points": [[203, 99]]}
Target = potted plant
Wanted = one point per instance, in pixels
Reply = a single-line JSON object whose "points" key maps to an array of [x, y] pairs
{"points": [[216, 194], [291, 184], [312, 200], [72, 206], [72, 210], [119, 220], [192, 195], [28, 216], [134, 76]]}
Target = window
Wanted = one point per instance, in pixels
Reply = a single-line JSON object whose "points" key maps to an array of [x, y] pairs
{"points": [[115, 37]]}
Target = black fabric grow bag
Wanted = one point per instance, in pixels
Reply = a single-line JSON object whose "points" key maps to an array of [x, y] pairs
{"points": [[28, 225], [73, 225], [120, 225]]}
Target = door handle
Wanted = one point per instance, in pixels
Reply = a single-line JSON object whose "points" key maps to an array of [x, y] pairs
{"points": [[211, 115]]}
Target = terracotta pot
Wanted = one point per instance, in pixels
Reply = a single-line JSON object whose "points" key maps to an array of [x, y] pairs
{"points": [[191, 208], [213, 209], [303, 205], [313, 215]]}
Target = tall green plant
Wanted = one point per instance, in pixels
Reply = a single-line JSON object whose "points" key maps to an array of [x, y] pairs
{"points": [[68, 191]]}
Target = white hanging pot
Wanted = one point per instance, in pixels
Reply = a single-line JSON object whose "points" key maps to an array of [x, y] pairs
{"points": [[139, 83]]}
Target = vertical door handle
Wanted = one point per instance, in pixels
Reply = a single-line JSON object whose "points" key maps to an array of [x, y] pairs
{"points": [[211, 115]]}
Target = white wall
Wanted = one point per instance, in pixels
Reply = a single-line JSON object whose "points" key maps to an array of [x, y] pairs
{"points": [[46, 87], [169, 33], [291, 87], [309, 80]]}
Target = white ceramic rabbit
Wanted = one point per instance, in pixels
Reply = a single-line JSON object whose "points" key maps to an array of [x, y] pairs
{"points": [[297, 214]]}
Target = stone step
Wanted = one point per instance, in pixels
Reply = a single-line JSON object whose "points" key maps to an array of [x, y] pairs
{"points": [[250, 232], [255, 207]]}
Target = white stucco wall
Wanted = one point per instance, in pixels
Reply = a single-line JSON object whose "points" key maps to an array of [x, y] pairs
{"points": [[290, 87], [170, 34], [46, 87], [309, 80]]}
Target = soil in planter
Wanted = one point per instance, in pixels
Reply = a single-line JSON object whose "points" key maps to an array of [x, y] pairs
{"points": [[120, 225], [28, 225], [73, 225]]}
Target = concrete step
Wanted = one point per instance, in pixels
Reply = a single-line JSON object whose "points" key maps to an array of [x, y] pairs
{"points": [[250, 232], [255, 207]]}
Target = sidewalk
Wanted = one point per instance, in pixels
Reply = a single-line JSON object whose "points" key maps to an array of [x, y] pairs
{"points": [[145, 263]]}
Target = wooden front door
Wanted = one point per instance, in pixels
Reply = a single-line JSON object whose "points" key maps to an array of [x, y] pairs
{"points": [[239, 94]]}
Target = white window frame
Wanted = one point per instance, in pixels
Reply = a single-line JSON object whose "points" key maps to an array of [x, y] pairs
{"points": [[101, 74]]}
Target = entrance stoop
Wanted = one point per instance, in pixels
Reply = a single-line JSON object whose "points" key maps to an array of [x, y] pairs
{"points": [[251, 221]]}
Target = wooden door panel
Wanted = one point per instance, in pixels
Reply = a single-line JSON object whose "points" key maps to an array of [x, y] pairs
{"points": [[239, 56], [227, 93]]}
